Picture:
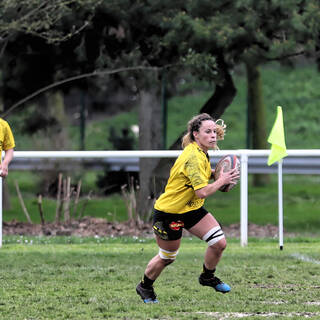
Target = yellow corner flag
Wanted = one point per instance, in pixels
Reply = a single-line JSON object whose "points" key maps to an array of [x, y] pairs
{"points": [[277, 140]]}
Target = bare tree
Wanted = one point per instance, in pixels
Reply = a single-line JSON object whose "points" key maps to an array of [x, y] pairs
{"points": [[37, 18]]}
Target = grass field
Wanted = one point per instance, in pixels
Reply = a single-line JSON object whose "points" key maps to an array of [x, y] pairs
{"points": [[75, 278]]}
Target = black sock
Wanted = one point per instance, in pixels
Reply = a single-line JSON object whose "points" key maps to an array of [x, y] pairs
{"points": [[207, 273], [146, 282]]}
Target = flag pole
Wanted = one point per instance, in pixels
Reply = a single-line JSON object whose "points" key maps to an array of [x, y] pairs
{"points": [[280, 204], [278, 152]]}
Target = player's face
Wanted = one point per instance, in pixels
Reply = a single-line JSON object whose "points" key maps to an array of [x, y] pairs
{"points": [[206, 137]]}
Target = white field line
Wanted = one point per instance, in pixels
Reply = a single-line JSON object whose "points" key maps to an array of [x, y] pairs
{"points": [[310, 303], [228, 315], [274, 302], [304, 258], [313, 303]]}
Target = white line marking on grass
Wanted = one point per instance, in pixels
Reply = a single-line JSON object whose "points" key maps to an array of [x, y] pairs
{"points": [[227, 315], [274, 302], [313, 303], [304, 258]]}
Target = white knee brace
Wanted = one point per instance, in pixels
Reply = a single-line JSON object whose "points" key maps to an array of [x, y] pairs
{"points": [[213, 236], [171, 255]]}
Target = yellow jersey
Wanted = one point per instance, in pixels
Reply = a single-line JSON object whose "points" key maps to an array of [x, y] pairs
{"points": [[6, 136], [191, 171]]}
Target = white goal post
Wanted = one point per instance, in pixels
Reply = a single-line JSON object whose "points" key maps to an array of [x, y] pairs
{"points": [[243, 154]]}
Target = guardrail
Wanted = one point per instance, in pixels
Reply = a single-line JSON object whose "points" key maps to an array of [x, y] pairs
{"points": [[291, 165], [243, 154]]}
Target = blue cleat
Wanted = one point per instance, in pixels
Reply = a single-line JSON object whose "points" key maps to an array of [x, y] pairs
{"points": [[146, 294], [215, 283]]}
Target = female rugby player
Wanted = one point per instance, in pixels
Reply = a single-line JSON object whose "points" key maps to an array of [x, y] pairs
{"points": [[181, 206]]}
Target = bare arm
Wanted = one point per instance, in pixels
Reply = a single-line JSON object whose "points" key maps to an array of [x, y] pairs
{"points": [[224, 178], [5, 163]]}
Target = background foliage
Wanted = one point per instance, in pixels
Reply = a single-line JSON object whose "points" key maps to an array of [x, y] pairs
{"points": [[296, 90]]}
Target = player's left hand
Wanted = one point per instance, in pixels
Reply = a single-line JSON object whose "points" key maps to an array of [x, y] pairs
{"points": [[3, 171]]}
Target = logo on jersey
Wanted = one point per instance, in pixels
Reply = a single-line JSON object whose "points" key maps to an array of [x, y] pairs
{"points": [[194, 204], [176, 225]]}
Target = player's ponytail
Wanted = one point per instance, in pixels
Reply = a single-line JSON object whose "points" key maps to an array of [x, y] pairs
{"points": [[220, 128], [186, 139]]}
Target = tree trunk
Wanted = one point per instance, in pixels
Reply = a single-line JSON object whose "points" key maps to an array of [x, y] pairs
{"points": [[257, 116], [223, 95], [55, 136], [57, 110], [150, 138]]}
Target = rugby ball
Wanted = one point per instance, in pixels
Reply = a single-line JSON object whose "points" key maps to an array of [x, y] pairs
{"points": [[228, 163]]}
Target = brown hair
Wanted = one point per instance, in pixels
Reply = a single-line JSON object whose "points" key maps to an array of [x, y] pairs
{"points": [[194, 125]]}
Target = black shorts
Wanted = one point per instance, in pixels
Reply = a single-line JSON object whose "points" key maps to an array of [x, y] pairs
{"points": [[168, 226]]}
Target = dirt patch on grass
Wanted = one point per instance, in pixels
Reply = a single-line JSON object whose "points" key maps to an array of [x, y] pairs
{"points": [[85, 227], [89, 227]]}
